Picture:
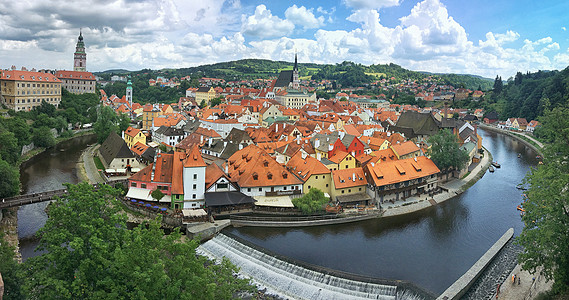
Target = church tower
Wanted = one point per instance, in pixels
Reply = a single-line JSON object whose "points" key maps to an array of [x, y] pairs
{"points": [[80, 57], [295, 80], [129, 93]]}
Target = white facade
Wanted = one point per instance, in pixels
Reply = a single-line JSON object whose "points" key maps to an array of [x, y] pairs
{"points": [[222, 128], [222, 185], [194, 187], [261, 191]]}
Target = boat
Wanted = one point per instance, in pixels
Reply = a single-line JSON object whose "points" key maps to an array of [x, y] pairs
{"points": [[519, 155], [491, 169], [521, 187], [520, 208], [496, 164]]}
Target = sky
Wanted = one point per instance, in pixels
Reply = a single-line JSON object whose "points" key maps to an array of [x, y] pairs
{"points": [[481, 37]]}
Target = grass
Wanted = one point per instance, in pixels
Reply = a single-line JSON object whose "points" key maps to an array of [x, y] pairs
{"points": [[98, 163], [377, 75]]}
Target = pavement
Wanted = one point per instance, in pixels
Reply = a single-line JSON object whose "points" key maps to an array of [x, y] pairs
{"points": [[530, 285], [87, 167], [454, 187]]}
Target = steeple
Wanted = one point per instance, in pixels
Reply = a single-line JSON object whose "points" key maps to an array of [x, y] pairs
{"points": [[80, 57], [295, 79], [295, 62], [129, 93]]}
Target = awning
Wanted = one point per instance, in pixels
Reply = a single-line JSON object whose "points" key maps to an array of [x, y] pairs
{"points": [[121, 170], [194, 213], [274, 201], [134, 170], [227, 198], [353, 198], [138, 193], [110, 170]]}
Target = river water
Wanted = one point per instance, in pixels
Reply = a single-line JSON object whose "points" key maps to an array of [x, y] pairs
{"points": [[430, 248], [45, 172]]}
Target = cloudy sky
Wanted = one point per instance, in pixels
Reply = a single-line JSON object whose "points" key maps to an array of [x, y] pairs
{"points": [[483, 37]]}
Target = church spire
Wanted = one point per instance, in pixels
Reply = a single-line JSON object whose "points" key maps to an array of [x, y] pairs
{"points": [[295, 79], [80, 57], [295, 62]]}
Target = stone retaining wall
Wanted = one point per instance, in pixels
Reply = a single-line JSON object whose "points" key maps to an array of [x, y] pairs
{"points": [[510, 134], [206, 231], [461, 286], [347, 219]]}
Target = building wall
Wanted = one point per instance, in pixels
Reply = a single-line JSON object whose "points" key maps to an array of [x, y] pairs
{"points": [[77, 86], [395, 192], [25, 95], [334, 193], [131, 141], [194, 187], [322, 182], [165, 187], [147, 117], [261, 191], [296, 100]]}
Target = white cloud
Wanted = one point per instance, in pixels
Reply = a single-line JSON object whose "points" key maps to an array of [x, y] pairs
{"points": [[303, 16], [370, 4], [564, 28], [264, 25]]}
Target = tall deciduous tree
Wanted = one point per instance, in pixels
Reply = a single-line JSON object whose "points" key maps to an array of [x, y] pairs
{"points": [[9, 180], [545, 237], [11, 271], [9, 149], [445, 151], [43, 137], [311, 202], [106, 122], [92, 255]]}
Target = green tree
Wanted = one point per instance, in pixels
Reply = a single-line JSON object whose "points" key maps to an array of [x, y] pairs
{"points": [[216, 101], [9, 180], [445, 151], [43, 137], [312, 202], [157, 194], [124, 122], [106, 122], [545, 237], [12, 274], [92, 255], [9, 149], [20, 128]]}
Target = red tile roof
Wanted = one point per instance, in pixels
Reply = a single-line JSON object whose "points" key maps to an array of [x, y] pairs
{"points": [[194, 158], [75, 75], [28, 76], [347, 178]]}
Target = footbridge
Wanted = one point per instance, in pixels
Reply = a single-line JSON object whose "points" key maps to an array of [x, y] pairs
{"points": [[45, 196]]}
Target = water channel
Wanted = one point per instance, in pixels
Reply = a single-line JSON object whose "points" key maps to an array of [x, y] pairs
{"points": [[431, 248]]}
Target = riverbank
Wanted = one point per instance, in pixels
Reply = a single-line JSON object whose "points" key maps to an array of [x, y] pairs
{"points": [[527, 140], [453, 188]]}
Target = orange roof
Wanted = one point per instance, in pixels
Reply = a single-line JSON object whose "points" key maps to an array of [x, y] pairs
{"points": [[390, 172], [163, 169], [405, 148], [338, 157], [212, 174], [351, 129], [167, 120], [139, 148], [306, 167], [207, 132], [75, 75], [194, 158], [27, 76], [177, 171], [253, 167], [384, 155], [347, 178]]}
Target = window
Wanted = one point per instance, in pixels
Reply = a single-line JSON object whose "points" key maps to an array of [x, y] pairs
{"points": [[309, 187], [195, 186], [349, 190], [343, 191], [260, 189], [326, 185], [249, 189], [193, 204], [143, 185], [316, 176], [133, 184], [284, 188], [193, 196], [222, 185], [195, 176], [360, 189]]}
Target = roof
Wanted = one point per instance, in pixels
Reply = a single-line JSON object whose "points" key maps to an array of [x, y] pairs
{"points": [[390, 172], [227, 198], [347, 178], [177, 171], [203, 89], [305, 167], [353, 198], [194, 158], [274, 201], [285, 78], [114, 147], [27, 76], [75, 75], [139, 148], [131, 131], [420, 123], [405, 148], [253, 167]]}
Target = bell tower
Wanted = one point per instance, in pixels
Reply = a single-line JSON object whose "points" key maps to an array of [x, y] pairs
{"points": [[295, 79], [80, 57]]}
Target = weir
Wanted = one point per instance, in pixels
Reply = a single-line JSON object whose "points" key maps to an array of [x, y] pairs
{"points": [[294, 281]]}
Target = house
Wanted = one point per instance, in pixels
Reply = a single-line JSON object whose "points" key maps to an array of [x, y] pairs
{"points": [[205, 94], [116, 155], [394, 180], [415, 125], [169, 136], [143, 153], [193, 179], [133, 136], [532, 125], [149, 112], [258, 174], [341, 160], [491, 117], [156, 176], [347, 143], [349, 187], [406, 150], [311, 171]]}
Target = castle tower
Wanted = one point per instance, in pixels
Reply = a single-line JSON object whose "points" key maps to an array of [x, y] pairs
{"points": [[129, 93], [295, 80], [80, 57]]}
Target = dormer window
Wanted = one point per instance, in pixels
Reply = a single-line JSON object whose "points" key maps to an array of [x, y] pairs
{"points": [[265, 163], [255, 176], [285, 175], [270, 175]]}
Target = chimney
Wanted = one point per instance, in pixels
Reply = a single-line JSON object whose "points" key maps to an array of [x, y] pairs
{"points": [[372, 164], [354, 153], [224, 144], [330, 147], [354, 177], [342, 134], [210, 141], [298, 141], [240, 146], [316, 143], [277, 127], [201, 139], [304, 155], [227, 167], [319, 156]]}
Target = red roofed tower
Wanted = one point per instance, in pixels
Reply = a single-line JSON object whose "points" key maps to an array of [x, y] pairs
{"points": [[80, 57]]}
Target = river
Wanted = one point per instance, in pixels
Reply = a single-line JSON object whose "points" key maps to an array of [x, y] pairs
{"points": [[45, 172], [430, 248]]}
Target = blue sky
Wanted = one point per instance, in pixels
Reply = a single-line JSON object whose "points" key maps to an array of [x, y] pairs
{"points": [[482, 37]]}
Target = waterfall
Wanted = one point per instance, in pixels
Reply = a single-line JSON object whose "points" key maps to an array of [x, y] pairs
{"points": [[293, 281]]}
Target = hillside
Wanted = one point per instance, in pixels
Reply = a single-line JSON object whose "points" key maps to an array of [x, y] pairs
{"points": [[347, 73]]}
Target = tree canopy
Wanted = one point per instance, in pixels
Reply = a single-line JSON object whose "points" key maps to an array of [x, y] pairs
{"points": [[107, 121], [312, 202], [545, 237], [445, 151], [92, 255]]}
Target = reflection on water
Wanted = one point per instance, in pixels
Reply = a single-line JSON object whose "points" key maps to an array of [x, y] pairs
{"points": [[431, 248], [44, 172]]}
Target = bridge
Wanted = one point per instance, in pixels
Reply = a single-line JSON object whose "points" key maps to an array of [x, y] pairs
{"points": [[44, 196]]}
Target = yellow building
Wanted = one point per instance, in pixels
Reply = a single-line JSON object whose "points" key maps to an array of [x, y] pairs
{"points": [[205, 94], [149, 112], [24, 90], [133, 136], [340, 161], [77, 82], [349, 186], [312, 172], [294, 98]]}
